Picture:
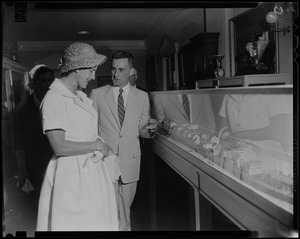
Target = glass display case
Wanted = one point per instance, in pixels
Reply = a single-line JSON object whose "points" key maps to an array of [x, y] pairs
{"points": [[235, 147], [14, 81]]}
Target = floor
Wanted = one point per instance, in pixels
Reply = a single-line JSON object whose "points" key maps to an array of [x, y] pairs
{"points": [[18, 210], [171, 193]]}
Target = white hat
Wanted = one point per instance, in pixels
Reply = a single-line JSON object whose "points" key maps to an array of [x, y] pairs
{"points": [[34, 69]]}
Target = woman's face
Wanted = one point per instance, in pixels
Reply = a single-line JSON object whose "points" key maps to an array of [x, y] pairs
{"points": [[85, 76]]}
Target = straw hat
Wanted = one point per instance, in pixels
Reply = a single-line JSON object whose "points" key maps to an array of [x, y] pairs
{"points": [[80, 55]]}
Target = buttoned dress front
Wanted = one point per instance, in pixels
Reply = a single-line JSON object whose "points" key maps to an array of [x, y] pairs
{"points": [[77, 193]]}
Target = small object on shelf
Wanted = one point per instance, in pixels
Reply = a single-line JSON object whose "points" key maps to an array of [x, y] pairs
{"points": [[219, 71]]}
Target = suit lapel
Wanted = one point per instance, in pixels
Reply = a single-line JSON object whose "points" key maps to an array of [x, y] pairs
{"points": [[111, 102]]}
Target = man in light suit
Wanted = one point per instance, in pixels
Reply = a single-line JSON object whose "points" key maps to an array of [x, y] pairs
{"points": [[171, 106], [123, 138]]}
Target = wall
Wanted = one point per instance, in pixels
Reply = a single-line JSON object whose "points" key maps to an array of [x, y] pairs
{"points": [[285, 42], [285, 49], [38, 54], [217, 21]]}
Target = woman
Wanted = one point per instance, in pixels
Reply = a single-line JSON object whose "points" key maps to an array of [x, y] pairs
{"points": [[77, 193], [33, 150]]}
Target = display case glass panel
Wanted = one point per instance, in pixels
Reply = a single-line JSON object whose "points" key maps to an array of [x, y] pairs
{"points": [[14, 80], [246, 132]]}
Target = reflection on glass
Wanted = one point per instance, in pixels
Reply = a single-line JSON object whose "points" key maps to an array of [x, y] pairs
{"points": [[18, 87], [170, 108], [249, 136], [6, 144]]}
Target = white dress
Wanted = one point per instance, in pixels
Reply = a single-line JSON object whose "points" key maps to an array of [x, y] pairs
{"points": [[77, 193]]}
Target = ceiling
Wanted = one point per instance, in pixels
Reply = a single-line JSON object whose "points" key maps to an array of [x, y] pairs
{"points": [[34, 24], [55, 21]]}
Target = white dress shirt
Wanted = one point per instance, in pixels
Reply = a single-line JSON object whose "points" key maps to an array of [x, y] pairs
{"points": [[125, 94]]}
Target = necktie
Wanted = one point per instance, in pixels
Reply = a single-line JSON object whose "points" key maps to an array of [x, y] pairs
{"points": [[186, 105], [121, 110]]}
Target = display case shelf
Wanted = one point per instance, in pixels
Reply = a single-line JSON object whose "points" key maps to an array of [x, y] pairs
{"points": [[244, 81]]}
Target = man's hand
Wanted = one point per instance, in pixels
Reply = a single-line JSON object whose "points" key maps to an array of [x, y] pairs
{"points": [[152, 126]]}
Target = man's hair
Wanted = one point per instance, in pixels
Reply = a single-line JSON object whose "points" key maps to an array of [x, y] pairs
{"points": [[123, 55]]}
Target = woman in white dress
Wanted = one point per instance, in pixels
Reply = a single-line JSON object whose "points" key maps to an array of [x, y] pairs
{"points": [[77, 192]]}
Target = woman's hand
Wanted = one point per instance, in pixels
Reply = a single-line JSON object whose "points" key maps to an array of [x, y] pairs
{"points": [[103, 147]]}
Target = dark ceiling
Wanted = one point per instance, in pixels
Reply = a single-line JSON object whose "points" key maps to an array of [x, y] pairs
{"points": [[105, 20]]}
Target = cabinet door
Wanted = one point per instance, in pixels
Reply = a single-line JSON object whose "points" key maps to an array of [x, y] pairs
{"points": [[206, 46], [188, 66]]}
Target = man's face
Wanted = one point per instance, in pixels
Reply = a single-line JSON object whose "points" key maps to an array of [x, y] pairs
{"points": [[121, 72]]}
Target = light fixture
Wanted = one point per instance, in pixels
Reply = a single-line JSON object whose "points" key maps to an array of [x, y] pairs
{"points": [[279, 9], [83, 32]]}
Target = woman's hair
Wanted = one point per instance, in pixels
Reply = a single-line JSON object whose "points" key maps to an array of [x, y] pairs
{"points": [[69, 72], [35, 76]]}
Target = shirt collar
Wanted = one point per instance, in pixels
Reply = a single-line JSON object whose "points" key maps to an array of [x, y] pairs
{"points": [[125, 89], [60, 88]]}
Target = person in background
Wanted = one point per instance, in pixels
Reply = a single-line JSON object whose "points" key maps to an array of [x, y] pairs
{"points": [[124, 115], [33, 150], [77, 192], [133, 77]]}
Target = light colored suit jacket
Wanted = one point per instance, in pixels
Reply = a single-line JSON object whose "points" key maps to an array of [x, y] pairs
{"points": [[123, 141], [169, 106]]}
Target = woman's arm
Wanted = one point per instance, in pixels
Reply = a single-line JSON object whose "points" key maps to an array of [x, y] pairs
{"points": [[63, 147]]}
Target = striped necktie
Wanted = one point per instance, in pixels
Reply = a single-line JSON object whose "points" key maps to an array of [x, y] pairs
{"points": [[186, 105], [121, 110]]}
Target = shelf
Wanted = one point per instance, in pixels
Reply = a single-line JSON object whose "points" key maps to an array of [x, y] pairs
{"points": [[245, 81]]}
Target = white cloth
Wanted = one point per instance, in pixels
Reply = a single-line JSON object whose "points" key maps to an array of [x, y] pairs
{"points": [[112, 163], [27, 187], [77, 194]]}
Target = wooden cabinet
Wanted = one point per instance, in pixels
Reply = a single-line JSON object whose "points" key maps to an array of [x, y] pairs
{"points": [[197, 59]]}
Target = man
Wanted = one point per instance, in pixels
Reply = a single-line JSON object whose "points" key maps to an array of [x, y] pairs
{"points": [[133, 78], [121, 130]]}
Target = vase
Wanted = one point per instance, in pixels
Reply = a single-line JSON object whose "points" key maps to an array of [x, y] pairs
{"points": [[219, 71]]}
